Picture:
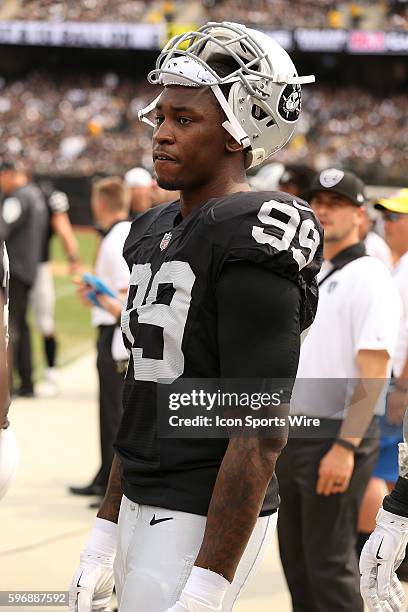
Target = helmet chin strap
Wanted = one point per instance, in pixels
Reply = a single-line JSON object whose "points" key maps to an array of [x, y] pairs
{"points": [[232, 126], [141, 114], [236, 130]]}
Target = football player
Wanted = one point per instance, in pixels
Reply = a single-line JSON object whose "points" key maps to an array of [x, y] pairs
{"points": [[222, 285], [8, 446], [385, 549]]}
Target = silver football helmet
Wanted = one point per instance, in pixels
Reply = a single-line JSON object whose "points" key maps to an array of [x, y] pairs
{"points": [[264, 101]]}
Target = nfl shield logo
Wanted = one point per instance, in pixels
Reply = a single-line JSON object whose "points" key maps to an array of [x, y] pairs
{"points": [[165, 241]]}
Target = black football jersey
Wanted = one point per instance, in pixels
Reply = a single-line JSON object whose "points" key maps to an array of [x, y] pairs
{"points": [[170, 325]]}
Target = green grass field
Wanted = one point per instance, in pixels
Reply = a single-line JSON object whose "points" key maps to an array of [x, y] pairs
{"points": [[75, 335]]}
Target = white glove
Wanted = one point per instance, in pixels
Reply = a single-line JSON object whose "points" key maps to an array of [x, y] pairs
{"points": [[381, 556], [92, 585], [204, 592]]}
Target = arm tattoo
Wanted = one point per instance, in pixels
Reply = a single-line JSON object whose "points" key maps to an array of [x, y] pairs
{"points": [[236, 502], [109, 509]]}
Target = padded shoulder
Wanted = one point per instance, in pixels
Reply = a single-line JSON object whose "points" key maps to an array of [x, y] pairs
{"points": [[272, 229]]}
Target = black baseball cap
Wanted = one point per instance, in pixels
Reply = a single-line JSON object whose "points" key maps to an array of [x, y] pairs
{"points": [[299, 174], [344, 183]]}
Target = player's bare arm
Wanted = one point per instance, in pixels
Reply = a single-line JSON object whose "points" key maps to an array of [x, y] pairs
{"points": [[238, 495], [63, 228], [249, 462], [109, 509]]}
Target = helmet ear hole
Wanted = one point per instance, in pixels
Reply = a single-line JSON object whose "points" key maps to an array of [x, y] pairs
{"points": [[243, 47], [258, 112]]}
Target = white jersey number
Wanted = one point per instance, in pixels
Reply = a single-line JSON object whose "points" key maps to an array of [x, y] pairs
{"points": [[170, 317], [308, 236]]}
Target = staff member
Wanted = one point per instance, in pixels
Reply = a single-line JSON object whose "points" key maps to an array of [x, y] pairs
{"points": [[140, 184], [296, 179], [110, 207], [322, 478], [24, 214]]}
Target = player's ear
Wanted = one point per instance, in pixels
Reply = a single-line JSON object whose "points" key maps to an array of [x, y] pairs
{"points": [[231, 145]]}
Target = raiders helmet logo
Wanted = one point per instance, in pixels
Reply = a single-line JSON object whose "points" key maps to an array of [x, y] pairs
{"points": [[290, 103], [331, 177]]}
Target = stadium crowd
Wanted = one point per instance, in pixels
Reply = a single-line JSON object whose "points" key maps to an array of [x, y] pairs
{"points": [[79, 124], [82, 10], [389, 14], [88, 124], [312, 13]]}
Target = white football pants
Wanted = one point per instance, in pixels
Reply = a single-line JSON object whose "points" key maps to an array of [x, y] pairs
{"points": [[42, 299], [155, 557]]}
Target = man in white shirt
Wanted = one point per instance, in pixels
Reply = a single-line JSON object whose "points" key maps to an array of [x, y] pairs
{"points": [[323, 473], [110, 204]]}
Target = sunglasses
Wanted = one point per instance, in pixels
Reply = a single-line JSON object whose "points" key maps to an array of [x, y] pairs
{"points": [[391, 216]]}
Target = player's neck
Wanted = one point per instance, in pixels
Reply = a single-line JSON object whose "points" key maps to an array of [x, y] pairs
{"points": [[218, 188]]}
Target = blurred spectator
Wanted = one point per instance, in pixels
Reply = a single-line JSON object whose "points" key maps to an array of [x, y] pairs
{"points": [[374, 243], [291, 178], [139, 182], [296, 179], [355, 12], [110, 206], [24, 214], [397, 14], [267, 177]]}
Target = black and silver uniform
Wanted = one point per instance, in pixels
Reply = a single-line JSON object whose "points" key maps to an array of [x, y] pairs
{"points": [[24, 215], [170, 324], [57, 202]]}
